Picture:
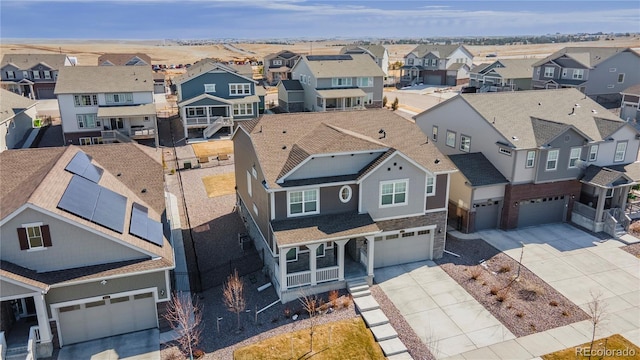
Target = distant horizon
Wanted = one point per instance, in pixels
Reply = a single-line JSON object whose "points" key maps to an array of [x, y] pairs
{"points": [[252, 20]]}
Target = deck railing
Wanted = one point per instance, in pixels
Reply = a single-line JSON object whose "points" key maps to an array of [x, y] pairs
{"points": [[298, 279], [327, 274]]}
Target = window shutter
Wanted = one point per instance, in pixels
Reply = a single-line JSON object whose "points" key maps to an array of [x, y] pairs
{"points": [[22, 237], [46, 235]]}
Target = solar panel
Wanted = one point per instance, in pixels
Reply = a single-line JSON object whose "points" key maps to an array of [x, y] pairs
{"points": [[94, 203], [81, 165], [143, 227], [329, 57]]}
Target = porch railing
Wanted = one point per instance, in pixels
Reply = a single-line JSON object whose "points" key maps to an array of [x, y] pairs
{"points": [[363, 258], [143, 132], [584, 210], [113, 135], [34, 339], [225, 121], [298, 279], [327, 274]]}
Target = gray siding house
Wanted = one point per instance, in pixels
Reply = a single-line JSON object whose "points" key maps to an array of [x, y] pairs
{"points": [[437, 65], [534, 157], [502, 75], [290, 96], [278, 66], [82, 272], [339, 82], [17, 115], [378, 53], [630, 107], [32, 75], [212, 96], [330, 197], [602, 73]]}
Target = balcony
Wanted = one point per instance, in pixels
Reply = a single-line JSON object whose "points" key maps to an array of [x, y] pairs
{"points": [[206, 121]]}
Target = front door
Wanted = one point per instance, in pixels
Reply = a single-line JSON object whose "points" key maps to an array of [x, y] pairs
{"points": [[117, 123]]}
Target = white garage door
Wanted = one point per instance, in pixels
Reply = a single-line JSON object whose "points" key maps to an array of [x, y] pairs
{"points": [[108, 317], [403, 248]]}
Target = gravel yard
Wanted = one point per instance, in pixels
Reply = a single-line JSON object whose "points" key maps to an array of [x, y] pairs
{"points": [[633, 249], [526, 306]]}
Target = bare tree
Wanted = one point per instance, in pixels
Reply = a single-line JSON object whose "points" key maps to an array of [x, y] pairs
{"points": [[598, 313], [233, 295], [184, 314], [310, 304]]}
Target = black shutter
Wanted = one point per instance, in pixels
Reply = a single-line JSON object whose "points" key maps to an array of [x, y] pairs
{"points": [[22, 237], [46, 235]]}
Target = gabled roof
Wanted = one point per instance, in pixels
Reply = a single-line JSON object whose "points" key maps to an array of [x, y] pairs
{"points": [[510, 113], [205, 65], [37, 178], [515, 68], [121, 59], [292, 85], [611, 175], [279, 139], [441, 51], [285, 54], [478, 169], [28, 61], [632, 90], [375, 50], [245, 70], [457, 66], [328, 66], [322, 227], [479, 68], [587, 56], [103, 79], [545, 131], [13, 104]]}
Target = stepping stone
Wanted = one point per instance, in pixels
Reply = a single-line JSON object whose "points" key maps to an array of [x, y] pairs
{"points": [[400, 356], [366, 303], [383, 332], [358, 288], [360, 293], [374, 318], [392, 347]]}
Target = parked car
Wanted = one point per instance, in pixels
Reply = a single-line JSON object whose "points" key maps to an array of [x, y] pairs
{"points": [[468, 89]]}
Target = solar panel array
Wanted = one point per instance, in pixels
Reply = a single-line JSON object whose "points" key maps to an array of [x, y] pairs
{"points": [[329, 57], [143, 227], [95, 203], [81, 165]]}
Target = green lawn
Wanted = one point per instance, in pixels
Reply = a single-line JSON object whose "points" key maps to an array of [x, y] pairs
{"points": [[350, 339], [617, 347]]}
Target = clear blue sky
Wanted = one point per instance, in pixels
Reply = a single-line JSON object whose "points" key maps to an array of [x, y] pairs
{"points": [[259, 19]]}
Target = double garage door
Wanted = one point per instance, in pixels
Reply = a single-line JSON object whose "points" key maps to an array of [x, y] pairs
{"points": [[113, 315], [403, 248], [541, 211]]}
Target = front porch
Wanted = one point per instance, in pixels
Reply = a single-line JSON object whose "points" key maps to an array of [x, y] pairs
{"points": [[127, 123], [205, 120], [340, 99], [23, 87], [25, 327]]}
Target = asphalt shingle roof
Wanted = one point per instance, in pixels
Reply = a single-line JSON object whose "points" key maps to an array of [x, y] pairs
{"points": [[322, 227], [121, 59], [602, 176], [587, 56], [632, 90], [359, 65], [292, 85], [13, 104], [103, 79], [441, 51], [515, 68], [375, 50], [28, 61], [478, 169]]}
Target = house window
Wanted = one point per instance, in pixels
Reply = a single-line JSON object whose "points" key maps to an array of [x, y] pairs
{"points": [[339, 82], [365, 81], [292, 255], [620, 78], [578, 74], [431, 185], [34, 236], [549, 71], [303, 202], [11, 74], [239, 89], [125, 98], [249, 184], [345, 194], [593, 152], [621, 149], [25, 74], [276, 62], [465, 143], [609, 193], [320, 251], [88, 121], [195, 111], [96, 140], [451, 139], [242, 109], [36, 74], [209, 88], [254, 173], [85, 100], [85, 141], [564, 73], [47, 74], [574, 157], [434, 133], [531, 159], [552, 159], [410, 61], [368, 99], [393, 193]]}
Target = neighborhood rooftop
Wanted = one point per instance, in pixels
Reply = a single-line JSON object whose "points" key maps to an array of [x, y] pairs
{"points": [[478, 169], [586, 56], [28, 61], [442, 51], [353, 65], [13, 104], [375, 50], [515, 68], [103, 79]]}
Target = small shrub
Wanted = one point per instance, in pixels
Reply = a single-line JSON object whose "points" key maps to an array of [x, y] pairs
{"points": [[502, 296], [504, 269], [287, 312], [553, 303], [535, 288], [475, 273], [395, 104], [346, 302], [484, 283], [173, 354], [198, 353], [384, 101], [333, 298], [520, 314], [565, 313], [494, 290]]}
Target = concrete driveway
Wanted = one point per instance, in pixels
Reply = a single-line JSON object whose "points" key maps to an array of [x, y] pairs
{"points": [[141, 345], [441, 312]]}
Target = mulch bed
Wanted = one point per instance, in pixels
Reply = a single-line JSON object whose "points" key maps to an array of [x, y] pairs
{"points": [[633, 249], [526, 306]]}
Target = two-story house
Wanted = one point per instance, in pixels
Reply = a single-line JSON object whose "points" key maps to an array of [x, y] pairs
{"points": [[212, 96], [599, 72], [534, 157], [437, 65], [32, 75], [630, 107], [84, 252], [339, 82], [277, 66], [329, 197], [378, 53], [17, 114], [502, 75], [106, 104], [124, 59]]}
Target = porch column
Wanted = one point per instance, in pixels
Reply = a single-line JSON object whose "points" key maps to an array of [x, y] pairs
{"points": [[283, 269], [43, 318], [341, 244], [183, 114], [624, 195], [208, 119], [313, 262], [370, 255], [600, 206]]}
